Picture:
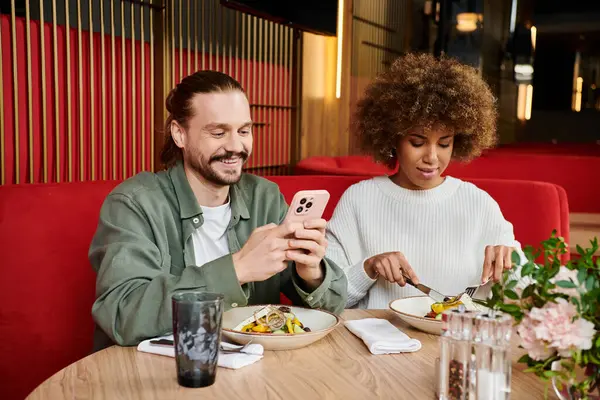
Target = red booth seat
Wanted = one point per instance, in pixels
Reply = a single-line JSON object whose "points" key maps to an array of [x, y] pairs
{"points": [[48, 286]]}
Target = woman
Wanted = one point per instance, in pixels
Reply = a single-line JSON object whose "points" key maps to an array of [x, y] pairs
{"points": [[419, 115]]}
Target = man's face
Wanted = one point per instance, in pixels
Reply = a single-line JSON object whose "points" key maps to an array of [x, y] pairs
{"points": [[218, 138]]}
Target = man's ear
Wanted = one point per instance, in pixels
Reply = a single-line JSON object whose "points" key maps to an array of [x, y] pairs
{"points": [[178, 134]]}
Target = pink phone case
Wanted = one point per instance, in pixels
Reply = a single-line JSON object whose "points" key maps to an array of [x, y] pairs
{"points": [[307, 204]]}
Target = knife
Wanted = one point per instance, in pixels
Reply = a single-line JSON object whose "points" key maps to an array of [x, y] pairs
{"points": [[435, 295], [162, 342]]}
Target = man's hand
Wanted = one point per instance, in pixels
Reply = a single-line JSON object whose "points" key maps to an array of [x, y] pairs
{"points": [[264, 254], [497, 259], [392, 266], [307, 249]]}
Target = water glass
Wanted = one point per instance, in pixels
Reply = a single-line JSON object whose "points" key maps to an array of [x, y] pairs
{"points": [[197, 320]]}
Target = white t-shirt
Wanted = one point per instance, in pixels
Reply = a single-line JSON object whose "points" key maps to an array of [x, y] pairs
{"points": [[210, 240]]}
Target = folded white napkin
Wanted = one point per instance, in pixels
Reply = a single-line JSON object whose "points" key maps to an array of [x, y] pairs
{"points": [[249, 355], [381, 337]]}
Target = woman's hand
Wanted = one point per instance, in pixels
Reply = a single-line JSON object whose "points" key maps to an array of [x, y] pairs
{"points": [[497, 259], [393, 267]]}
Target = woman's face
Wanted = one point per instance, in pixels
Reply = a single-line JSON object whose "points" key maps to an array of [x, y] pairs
{"points": [[423, 155]]}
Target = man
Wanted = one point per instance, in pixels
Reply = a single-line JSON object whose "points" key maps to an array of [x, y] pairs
{"points": [[203, 225]]}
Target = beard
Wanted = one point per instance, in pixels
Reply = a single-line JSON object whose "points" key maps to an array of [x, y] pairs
{"points": [[206, 168]]}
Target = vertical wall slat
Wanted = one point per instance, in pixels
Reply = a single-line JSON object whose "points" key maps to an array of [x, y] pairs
{"points": [[143, 88], [286, 85], [261, 90], [276, 89], [180, 44], [230, 16], [210, 30], [269, 111], [113, 77], [189, 42], [254, 85], [69, 110], [152, 100], [56, 96], [43, 91], [92, 94], [123, 97], [195, 35], [13, 26], [202, 18], [80, 91], [2, 148], [29, 92], [171, 30], [237, 44], [134, 100]]}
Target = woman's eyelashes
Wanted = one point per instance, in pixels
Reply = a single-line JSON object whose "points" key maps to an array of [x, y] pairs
{"points": [[419, 144]]}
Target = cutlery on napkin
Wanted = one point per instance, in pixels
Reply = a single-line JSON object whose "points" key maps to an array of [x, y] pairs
{"points": [[381, 337], [233, 360]]}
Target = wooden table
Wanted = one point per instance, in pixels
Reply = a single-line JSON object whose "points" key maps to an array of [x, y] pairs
{"points": [[337, 367]]}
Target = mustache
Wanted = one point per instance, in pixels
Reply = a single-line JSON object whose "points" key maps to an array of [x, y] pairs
{"points": [[229, 154]]}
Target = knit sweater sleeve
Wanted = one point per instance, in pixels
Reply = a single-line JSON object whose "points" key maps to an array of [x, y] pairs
{"points": [[345, 246]]}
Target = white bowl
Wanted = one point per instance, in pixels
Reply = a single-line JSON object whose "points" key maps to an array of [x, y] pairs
{"points": [[412, 310], [320, 322]]}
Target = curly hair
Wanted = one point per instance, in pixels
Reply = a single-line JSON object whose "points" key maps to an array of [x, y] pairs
{"points": [[421, 91]]}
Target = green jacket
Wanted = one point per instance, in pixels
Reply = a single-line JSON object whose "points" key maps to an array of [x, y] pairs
{"points": [[142, 253]]}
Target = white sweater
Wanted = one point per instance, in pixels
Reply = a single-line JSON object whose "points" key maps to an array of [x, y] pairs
{"points": [[442, 232]]}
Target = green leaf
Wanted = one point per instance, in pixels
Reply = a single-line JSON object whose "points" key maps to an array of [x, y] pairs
{"points": [[515, 258], [511, 294], [581, 274], [553, 271], [566, 284], [598, 341], [589, 284], [510, 308], [511, 285], [580, 250], [529, 290], [525, 358], [527, 269], [575, 301], [550, 374]]}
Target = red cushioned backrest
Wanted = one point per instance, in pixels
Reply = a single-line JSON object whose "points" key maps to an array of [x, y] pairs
{"points": [[47, 286], [534, 208], [344, 165], [576, 174]]}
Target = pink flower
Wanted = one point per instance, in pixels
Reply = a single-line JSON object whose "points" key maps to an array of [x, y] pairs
{"points": [[537, 349], [554, 327], [566, 274]]}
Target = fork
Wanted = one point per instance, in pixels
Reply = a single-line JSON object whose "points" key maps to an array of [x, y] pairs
{"points": [[236, 349], [479, 292]]}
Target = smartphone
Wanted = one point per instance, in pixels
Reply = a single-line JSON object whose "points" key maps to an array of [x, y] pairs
{"points": [[307, 204]]}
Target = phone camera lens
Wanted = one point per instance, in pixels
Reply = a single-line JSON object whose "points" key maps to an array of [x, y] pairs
{"points": [[308, 205], [302, 201], [299, 210]]}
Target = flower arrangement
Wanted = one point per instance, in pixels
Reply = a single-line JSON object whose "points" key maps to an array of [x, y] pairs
{"points": [[556, 309]]}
